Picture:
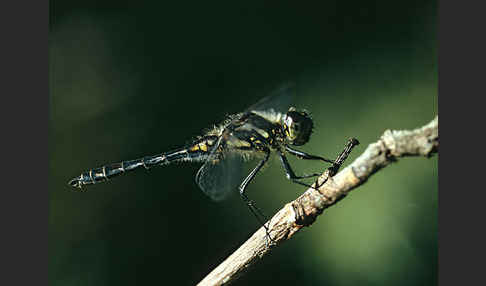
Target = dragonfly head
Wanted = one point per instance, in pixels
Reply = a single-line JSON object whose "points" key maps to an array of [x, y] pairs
{"points": [[297, 126]]}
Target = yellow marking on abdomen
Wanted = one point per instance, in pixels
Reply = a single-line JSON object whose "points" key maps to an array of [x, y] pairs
{"points": [[203, 147]]}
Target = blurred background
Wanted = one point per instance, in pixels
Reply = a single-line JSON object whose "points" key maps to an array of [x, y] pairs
{"points": [[128, 81]]}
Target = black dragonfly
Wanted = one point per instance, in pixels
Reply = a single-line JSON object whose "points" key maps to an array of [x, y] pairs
{"points": [[265, 127]]}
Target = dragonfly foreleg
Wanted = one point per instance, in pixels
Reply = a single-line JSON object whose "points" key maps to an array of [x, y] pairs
{"points": [[306, 156], [290, 173]]}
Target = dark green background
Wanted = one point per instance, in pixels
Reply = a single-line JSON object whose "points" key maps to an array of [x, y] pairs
{"points": [[128, 81]]}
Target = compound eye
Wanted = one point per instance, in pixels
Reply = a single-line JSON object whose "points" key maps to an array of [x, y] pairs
{"points": [[299, 126]]}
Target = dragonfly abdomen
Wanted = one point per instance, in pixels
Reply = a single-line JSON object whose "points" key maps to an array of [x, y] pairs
{"points": [[98, 175], [197, 152]]}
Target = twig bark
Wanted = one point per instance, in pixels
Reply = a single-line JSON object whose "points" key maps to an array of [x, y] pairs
{"points": [[304, 210]]}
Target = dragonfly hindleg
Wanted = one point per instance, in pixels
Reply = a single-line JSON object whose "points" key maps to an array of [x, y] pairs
{"points": [[250, 203]]}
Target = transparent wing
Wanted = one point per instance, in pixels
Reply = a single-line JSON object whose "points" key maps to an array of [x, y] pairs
{"points": [[279, 100], [220, 175]]}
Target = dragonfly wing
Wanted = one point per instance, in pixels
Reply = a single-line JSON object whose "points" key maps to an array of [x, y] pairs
{"points": [[220, 175], [279, 100]]}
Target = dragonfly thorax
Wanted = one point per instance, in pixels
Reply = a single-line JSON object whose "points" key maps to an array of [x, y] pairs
{"points": [[297, 127]]}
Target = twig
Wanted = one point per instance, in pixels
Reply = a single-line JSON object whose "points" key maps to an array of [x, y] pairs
{"points": [[304, 210]]}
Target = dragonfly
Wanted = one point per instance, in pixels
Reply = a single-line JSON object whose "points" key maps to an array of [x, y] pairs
{"points": [[269, 126]]}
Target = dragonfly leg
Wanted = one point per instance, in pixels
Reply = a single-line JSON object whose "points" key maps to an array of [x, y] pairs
{"points": [[336, 164], [250, 203], [306, 156], [290, 173]]}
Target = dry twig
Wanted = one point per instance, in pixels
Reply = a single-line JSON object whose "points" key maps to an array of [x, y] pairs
{"points": [[303, 211]]}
